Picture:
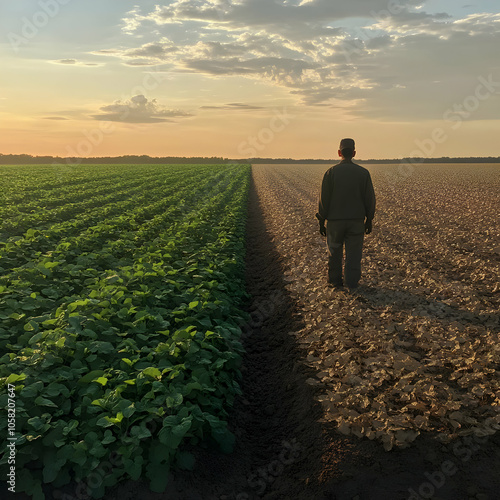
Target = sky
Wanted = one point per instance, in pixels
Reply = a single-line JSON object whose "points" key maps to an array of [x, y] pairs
{"points": [[250, 78]]}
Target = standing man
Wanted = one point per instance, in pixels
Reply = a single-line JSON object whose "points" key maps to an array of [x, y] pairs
{"points": [[347, 202]]}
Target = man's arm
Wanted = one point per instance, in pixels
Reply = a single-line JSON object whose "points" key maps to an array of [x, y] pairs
{"points": [[324, 197], [370, 201], [369, 204]]}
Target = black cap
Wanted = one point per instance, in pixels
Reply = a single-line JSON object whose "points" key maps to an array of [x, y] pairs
{"points": [[347, 143]]}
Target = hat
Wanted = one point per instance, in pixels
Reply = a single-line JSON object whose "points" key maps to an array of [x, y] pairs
{"points": [[347, 143]]}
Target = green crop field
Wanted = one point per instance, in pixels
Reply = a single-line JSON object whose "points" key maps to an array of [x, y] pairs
{"points": [[121, 292]]}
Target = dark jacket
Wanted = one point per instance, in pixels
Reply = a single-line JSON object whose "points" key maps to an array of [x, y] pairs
{"points": [[347, 193]]}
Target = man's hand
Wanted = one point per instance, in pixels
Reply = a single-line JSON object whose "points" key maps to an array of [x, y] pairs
{"points": [[368, 226], [322, 228]]}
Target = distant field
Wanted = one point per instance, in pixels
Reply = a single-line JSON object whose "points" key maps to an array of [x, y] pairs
{"points": [[120, 289]]}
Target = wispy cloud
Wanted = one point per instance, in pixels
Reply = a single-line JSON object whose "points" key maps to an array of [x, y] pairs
{"points": [[138, 110], [235, 106], [149, 54], [75, 62]]}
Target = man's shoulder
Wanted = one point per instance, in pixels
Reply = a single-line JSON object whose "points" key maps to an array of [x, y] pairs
{"points": [[364, 169], [330, 170], [345, 164]]}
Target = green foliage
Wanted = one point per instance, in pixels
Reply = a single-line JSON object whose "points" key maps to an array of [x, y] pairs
{"points": [[120, 308]]}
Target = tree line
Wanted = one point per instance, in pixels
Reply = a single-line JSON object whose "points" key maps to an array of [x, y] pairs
{"points": [[26, 159]]}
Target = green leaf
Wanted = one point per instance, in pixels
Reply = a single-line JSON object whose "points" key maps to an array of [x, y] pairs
{"points": [[79, 455], [86, 379], [106, 347], [41, 401], [129, 411], [91, 437], [56, 389], [158, 474], [31, 326], [159, 452], [117, 419], [174, 400], [13, 378], [104, 422], [192, 386], [36, 422], [75, 322], [65, 452], [101, 380], [152, 372], [49, 322], [134, 468], [108, 437], [52, 468], [140, 432], [73, 424], [173, 435]]}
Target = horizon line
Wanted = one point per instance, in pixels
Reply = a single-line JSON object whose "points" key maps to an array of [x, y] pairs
{"points": [[27, 156]]}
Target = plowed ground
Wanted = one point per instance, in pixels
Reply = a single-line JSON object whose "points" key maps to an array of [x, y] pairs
{"points": [[389, 394]]}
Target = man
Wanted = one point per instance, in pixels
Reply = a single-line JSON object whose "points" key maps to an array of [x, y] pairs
{"points": [[347, 202]]}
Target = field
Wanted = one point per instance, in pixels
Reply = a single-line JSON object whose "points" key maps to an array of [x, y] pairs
{"points": [[419, 353], [119, 303], [129, 290]]}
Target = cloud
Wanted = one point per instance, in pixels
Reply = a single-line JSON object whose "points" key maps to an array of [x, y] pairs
{"points": [[234, 106], [153, 50], [55, 118], [132, 22], [149, 54], [401, 63], [138, 110], [74, 62], [277, 69], [276, 13]]}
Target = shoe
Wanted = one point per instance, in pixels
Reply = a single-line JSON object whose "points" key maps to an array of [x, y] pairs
{"points": [[359, 293], [335, 285]]}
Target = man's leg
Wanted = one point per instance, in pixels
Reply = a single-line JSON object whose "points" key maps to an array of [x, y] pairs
{"points": [[335, 240], [353, 251]]}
